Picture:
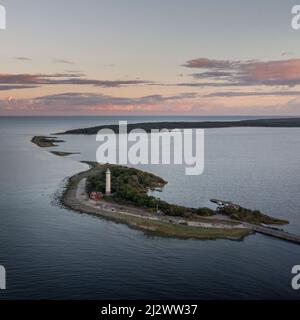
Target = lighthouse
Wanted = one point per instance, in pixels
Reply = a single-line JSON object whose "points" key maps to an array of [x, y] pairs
{"points": [[108, 182]]}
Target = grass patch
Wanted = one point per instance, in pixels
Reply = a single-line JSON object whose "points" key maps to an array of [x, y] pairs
{"points": [[250, 216]]}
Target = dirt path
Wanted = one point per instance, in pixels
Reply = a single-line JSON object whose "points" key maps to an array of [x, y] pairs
{"points": [[84, 199]]}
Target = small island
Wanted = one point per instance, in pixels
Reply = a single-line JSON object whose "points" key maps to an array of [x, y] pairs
{"points": [[50, 142], [63, 153], [127, 200], [46, 142]]}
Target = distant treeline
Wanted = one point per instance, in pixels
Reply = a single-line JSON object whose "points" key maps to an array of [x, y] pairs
{"points": [[148, 126]]}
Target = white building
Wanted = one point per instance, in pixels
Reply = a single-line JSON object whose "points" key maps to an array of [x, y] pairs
{"points": [[108, 182]]}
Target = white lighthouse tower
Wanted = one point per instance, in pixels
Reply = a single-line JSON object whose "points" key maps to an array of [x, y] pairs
{"points": [[108, 182]]}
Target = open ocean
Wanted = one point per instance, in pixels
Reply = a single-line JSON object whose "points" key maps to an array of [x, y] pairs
{"points": [[53, 253]]}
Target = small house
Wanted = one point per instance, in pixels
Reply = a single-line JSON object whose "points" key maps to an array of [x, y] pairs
{"points": [[96, 196]]}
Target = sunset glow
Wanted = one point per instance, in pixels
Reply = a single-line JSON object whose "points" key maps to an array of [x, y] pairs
{"points": [[129, 59]]}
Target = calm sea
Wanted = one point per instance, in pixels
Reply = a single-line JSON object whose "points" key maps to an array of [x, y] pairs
{"points": [[53, 253]]}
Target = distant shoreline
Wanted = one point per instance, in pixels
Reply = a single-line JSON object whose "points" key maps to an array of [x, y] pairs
{"points": [[148, 126]]}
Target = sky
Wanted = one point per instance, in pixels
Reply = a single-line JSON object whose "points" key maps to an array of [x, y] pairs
{"points": [[140, 57]]}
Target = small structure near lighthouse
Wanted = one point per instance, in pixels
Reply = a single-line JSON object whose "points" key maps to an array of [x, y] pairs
{"points": [[108, 182]]}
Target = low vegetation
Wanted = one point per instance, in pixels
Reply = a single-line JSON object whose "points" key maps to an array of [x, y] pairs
{"points": [[250, 216], [131, 186], [186, 232]]}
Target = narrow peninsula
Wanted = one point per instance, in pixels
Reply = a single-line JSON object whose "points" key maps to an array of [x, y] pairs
{"points": [[128, 201]]}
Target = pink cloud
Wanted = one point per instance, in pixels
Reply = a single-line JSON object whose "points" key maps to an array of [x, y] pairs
{"points": [[246, 73], [272, 70]]}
